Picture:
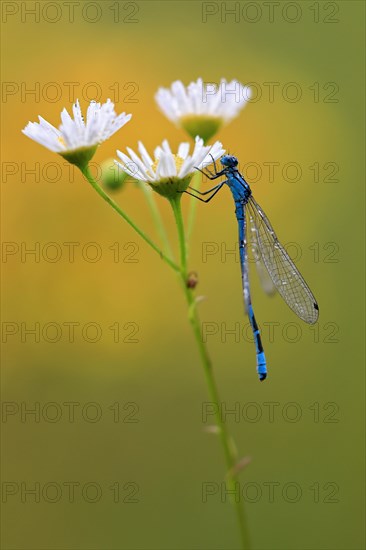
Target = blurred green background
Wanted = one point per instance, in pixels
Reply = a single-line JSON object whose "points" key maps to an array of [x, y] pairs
{"points": [[314, 442]]}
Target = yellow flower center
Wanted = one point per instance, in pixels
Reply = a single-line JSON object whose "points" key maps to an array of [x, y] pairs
{"points": [[178, 163]]}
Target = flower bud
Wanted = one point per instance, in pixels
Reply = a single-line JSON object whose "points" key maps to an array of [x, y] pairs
{"points": [[113, 177]]}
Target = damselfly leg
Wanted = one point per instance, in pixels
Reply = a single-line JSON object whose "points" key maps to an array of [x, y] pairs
{"points": [[205, 192], [215, 190], [211, 176]]}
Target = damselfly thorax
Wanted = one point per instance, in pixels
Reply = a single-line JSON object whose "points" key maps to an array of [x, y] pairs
{"points": [[238, 186]]}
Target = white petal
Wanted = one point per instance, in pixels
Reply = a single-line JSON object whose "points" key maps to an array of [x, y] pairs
{"points": [[116, 124], [44, 137], [166, 147], [157, 152], [183, 102], [138, 161], [144, 154], [187, 167], [197, 146], [78, 117], [216, 151], [200, 156], [146, 159], [166, 167], [166, 104], [129, 166], [183, 150], [49, 126]]}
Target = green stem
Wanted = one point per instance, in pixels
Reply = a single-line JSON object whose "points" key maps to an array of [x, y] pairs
{"points": [[226, 440], [148, 194], [119, 211], [196, 183], [181, 235]]}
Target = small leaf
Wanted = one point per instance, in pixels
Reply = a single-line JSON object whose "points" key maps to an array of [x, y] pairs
{"points": [[239, 466]]}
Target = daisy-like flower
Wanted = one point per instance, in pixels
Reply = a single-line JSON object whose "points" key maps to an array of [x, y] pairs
{"points": [[169, 173], [75, 139], [202, 108]]}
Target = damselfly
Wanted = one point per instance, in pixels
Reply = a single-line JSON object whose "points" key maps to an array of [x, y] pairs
{"points": [[270, 256]]}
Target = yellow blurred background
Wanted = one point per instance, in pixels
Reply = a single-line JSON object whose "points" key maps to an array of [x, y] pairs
{"points": [[138, 397]]}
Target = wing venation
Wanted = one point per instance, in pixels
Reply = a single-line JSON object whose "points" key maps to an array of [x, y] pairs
{"points": [[281, 269]]}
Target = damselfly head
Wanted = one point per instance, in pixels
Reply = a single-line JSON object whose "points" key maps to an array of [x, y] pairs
{"points": [[229, 161]]}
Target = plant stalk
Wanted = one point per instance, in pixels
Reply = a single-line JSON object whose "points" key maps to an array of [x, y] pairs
{"points": [[149, 196], [225, 438]]}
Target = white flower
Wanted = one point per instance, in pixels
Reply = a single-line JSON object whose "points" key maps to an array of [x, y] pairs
{"points": [[75, 139], [206, 104], [168, 173]]}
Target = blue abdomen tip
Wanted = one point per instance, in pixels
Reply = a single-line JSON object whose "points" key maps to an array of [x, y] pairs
{"points": [[261, 366]]}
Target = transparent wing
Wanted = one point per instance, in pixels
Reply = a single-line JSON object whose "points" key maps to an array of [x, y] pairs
{"points": [[281, 268], [266, 281]]}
